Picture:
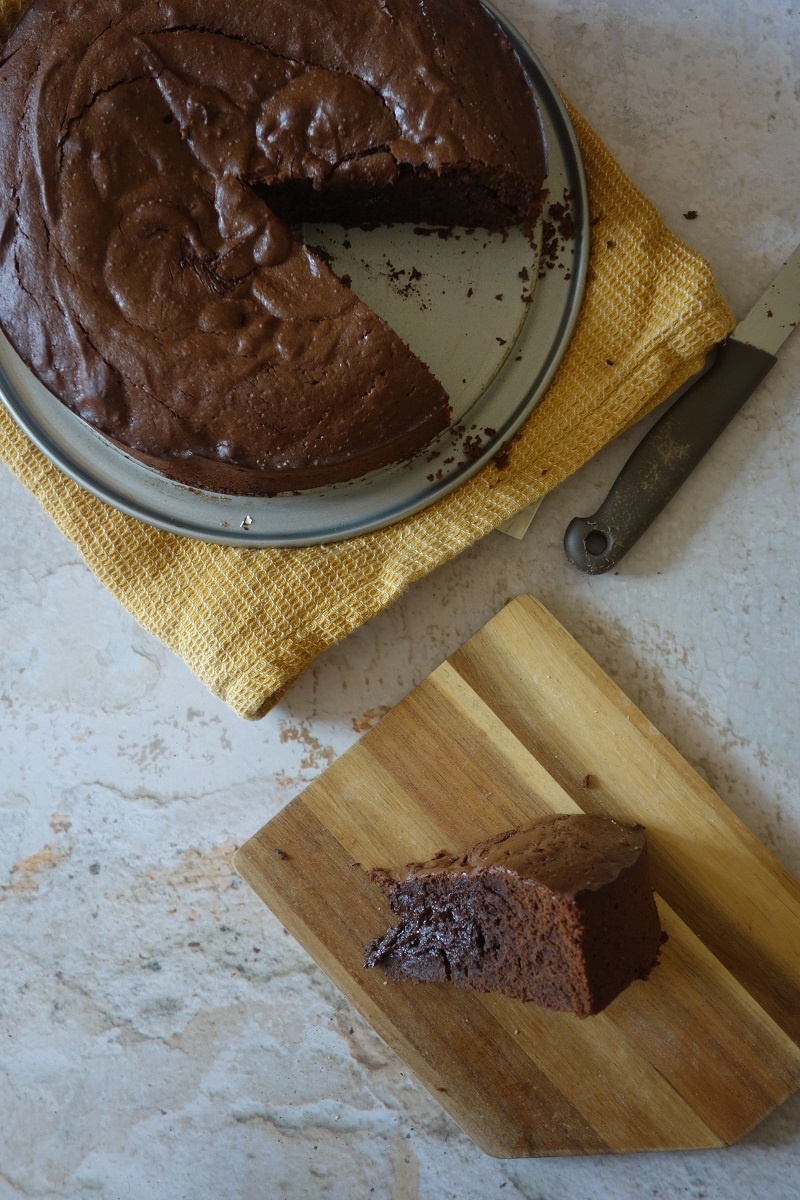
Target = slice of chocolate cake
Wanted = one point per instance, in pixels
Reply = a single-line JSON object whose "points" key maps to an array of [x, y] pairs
{"points": [[560, 912]]}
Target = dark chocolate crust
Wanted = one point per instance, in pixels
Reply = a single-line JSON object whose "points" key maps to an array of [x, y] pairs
{"points": [[560, 912], [146, 276]]}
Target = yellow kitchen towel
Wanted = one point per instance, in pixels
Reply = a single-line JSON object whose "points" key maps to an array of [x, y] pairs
{"points": [[249, 622]]}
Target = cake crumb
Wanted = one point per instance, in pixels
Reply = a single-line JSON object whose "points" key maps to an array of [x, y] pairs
{"points": [[501, 459], [587, 781], [472, 447]]}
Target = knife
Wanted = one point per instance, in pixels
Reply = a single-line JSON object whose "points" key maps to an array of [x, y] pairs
{"points": [[670, 451]]}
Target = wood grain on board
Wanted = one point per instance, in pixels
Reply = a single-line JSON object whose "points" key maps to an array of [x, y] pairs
{"points": [[506, 730]]}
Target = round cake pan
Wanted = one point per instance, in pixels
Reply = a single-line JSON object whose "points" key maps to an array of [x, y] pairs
{"points": [[488, 314]]}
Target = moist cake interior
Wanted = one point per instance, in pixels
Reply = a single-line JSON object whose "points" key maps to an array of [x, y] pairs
{"points": [[462, 196], [560, 912]]}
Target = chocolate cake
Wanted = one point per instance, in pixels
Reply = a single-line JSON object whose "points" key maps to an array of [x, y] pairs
{"points": [[153, 157], [559, 912]]}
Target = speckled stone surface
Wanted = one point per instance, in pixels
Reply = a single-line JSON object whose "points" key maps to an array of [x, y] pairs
{"points": [[160, 1036]]}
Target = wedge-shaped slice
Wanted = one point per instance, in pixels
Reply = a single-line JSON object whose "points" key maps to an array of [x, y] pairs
{"points": [[560, 912]]}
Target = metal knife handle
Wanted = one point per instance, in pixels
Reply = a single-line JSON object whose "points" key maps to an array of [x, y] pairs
{"points": [[665, 458]]}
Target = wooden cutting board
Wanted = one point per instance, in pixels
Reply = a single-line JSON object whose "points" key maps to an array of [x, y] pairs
{"points": [[508, 729]]}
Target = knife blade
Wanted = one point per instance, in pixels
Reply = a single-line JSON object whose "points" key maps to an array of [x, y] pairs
{"points": [[670, 451]]}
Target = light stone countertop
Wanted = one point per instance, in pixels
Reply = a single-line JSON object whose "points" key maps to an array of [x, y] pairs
{"points": [[160, 1035]]}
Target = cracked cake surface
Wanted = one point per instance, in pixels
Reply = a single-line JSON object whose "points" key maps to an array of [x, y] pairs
{"points": [[559, 912], [153, 157]]}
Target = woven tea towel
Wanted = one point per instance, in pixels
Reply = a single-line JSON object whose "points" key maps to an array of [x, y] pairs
{"points": [[249, 622]]}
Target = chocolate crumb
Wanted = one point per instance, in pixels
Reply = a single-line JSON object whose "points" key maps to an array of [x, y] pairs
{"points": [[501, 341], [610, 362], [280, 853], [523, 275], [610, 244], [470, 293], [587, 781], [472, 447], [499, 296], [501, 459], [691, 215]]}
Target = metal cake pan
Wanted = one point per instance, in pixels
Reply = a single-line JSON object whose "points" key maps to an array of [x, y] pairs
{"points": [[459, 299]]}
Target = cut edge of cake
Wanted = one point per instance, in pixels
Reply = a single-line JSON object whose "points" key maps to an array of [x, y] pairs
{"points": [[559, 912]]}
